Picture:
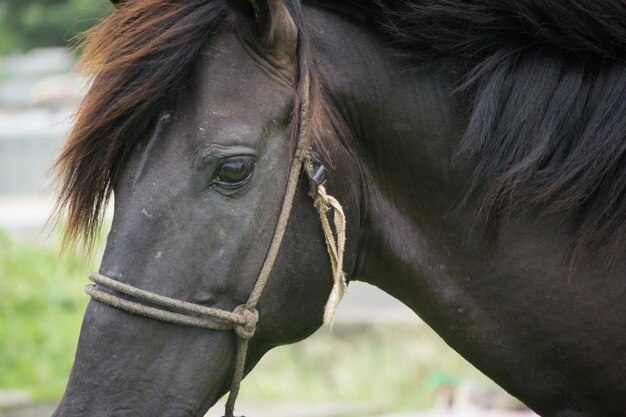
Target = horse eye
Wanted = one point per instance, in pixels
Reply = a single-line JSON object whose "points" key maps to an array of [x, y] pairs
{"points": [[234, 171]]}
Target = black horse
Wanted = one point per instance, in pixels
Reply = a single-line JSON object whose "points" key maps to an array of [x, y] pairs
{"points": [[477, 147]]}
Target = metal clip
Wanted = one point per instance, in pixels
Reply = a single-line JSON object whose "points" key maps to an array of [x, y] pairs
{"points": [[318, 178]]}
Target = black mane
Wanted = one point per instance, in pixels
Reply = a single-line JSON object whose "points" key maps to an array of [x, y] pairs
{"points": [[474, 29], [547, 82]]}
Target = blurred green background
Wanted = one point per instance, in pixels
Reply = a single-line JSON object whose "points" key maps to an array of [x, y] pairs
{"points": [[41, 310], [27, 24]]}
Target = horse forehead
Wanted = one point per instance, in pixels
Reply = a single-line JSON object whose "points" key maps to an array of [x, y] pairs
{"points": [[231, 83], [223, 55]]}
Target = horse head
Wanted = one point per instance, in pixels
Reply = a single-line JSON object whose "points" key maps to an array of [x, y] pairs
{"points": [[198, 205]]}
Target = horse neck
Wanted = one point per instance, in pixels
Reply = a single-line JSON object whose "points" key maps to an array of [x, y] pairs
{"points": [[492, 303], [403, 134]]}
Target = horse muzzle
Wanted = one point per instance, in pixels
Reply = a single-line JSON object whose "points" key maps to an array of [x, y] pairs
{"points": [[129, 365]]}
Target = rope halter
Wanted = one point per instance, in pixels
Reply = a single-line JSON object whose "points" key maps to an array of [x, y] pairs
{"points": [[243, 319]]}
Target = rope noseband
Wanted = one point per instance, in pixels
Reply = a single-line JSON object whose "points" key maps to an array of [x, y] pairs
{"points": [[243, 319]]}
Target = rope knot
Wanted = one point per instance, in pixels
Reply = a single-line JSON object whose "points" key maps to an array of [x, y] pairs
{"points": [[321, 202], [250, 316]]}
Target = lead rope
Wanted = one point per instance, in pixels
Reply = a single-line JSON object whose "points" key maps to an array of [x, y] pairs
{"points": [[243, 318]]}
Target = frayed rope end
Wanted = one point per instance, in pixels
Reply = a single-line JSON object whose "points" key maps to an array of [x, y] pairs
{"points": [[337, 293]]}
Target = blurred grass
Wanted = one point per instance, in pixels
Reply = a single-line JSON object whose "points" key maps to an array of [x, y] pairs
{"points": [[390, 367], [41, 308], [42, 303]]}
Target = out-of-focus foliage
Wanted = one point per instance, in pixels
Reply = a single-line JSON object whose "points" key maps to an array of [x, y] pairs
{"points": [[41, 308], [27, 24], [399, 367]]}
